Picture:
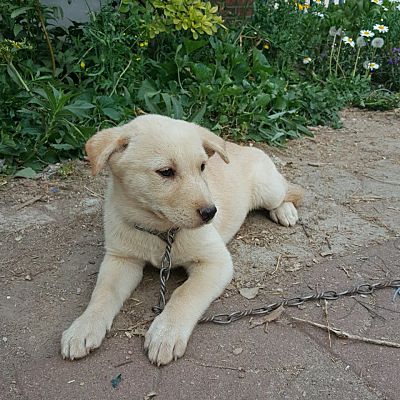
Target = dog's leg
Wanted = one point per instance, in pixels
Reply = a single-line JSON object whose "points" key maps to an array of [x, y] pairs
{"points": [[274, 193], [170, 331], [118, 277], [286, 213]]}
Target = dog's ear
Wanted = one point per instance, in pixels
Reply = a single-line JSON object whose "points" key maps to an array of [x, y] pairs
{"points": [[102, 145], [214, 144]]}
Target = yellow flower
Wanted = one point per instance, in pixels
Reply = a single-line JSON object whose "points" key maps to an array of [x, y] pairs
{"points": [[82, 64], [266, 46], [144, 44]]}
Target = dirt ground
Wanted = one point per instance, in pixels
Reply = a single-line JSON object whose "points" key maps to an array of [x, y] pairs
{"points": [[51, 246]]}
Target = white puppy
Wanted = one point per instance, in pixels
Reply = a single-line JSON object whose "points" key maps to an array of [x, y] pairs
{"points": [[168, 173]]}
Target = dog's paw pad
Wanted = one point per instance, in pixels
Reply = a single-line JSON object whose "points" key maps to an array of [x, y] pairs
{"points": [[85, 334], [285, 214], [165, 341]]}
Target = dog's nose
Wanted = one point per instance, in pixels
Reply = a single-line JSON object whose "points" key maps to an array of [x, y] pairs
{"points": [[207, 213]]}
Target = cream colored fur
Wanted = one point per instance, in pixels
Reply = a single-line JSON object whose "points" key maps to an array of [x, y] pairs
{"points": [[236, 179]]}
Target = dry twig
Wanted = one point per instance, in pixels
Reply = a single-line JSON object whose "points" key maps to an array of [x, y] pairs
{"points": [[342, 334], [327, 323], [94, 193], [29, 202]]}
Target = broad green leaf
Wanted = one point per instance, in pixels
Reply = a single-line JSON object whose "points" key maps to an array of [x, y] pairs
{"points": [[26, 173], [20, 11], [112, 113]]}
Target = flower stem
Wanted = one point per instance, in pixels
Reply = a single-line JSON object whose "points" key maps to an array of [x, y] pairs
{"points": [[17, 74], [353, 74], [331, 56], [337, 58]]}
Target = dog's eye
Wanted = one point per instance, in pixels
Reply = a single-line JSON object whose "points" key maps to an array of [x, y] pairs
{"points": [[203, 165], [166, 172]]}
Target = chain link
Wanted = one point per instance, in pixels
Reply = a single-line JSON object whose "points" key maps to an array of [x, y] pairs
{"points": [[365, 288]]}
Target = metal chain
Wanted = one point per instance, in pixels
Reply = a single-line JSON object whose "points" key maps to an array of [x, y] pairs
{"points": [[166, 264], [165, 270], [365, 288]]}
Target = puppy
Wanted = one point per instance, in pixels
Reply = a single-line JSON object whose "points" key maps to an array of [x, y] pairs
{"points": [[165, 174]]}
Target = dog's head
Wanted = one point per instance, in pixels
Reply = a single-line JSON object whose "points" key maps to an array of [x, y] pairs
{"points": [[159, 165]]}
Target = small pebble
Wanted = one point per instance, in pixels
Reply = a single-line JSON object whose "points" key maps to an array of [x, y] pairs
{"points": [[28, 278], [5, 339], [8, 297], [237, 351], [78, 290]]}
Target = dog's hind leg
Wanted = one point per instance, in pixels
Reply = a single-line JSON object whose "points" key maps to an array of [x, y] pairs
{"points": [[286, 213], [272, 192]]}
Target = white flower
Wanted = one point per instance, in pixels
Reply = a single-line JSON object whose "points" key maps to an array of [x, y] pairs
{"points": [[379, 2], [385, 8], [318, 14], [276, 6], [367, 33], [398, 7], [381, 28], [349, 40], [371, 66], [306, 60]]}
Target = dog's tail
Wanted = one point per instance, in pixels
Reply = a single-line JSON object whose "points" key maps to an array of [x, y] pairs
{"points": [[294, 194]]}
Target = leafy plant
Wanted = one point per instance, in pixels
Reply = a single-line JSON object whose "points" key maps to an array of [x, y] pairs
{"points": [[265, 79], [198, 17]]}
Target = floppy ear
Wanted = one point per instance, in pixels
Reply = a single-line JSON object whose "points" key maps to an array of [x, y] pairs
{"points": [[214, 144], [102, 145]]}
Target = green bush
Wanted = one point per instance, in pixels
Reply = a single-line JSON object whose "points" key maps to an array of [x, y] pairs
{"points": [[265, 80]]}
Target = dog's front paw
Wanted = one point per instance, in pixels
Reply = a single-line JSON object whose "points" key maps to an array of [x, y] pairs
{"points": [[85, 334], [285, 214], [166, 340]]}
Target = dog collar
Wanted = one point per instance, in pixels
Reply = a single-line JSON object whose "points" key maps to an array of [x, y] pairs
{"points": [[167, 236]]}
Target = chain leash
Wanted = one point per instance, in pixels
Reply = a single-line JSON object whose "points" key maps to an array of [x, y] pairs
{"points": [[165, 271], [365, 288]]}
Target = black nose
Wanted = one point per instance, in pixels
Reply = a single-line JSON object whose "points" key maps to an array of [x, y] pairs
{"points": [[207, 213]]}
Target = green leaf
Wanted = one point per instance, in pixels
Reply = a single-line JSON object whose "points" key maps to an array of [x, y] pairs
{"points": [[28, 173], [19, 11], [112, 113], [193, 45], [150, 106], [17, 29], [178, 110], [147, 89], [196, 118], [79, 108], [62, 146], [167, 100]]}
